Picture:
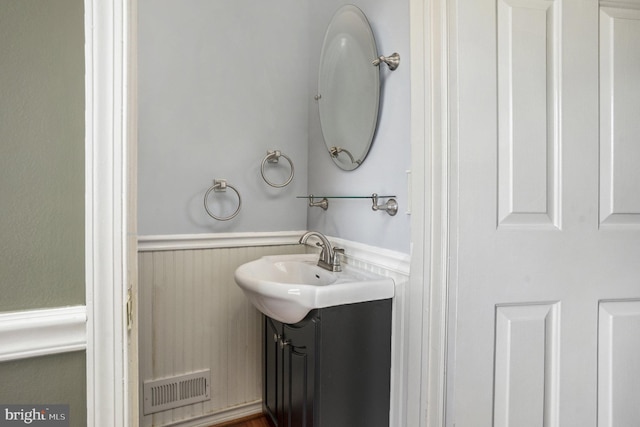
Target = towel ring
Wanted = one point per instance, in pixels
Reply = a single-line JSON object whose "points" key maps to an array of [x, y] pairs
{"points": [[272, 157], [220, 185]]}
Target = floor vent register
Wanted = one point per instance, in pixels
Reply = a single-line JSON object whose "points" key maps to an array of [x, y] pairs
{"points": [[168, 393]]}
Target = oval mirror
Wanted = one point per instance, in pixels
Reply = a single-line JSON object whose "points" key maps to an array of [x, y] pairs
{"points": [[348, 87]]}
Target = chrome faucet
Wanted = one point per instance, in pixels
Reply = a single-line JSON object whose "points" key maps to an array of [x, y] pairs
{"points": [[329, 256]]}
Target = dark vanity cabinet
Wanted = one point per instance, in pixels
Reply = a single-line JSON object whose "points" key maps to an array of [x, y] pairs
{"points": [[289, 372], [331, 369]]}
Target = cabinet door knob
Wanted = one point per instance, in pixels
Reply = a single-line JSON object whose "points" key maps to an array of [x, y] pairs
{"points": [[276, 337], [284, 343]]}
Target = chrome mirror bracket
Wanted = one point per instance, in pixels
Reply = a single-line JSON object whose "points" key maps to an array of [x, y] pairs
{"points": [[393, 61]]}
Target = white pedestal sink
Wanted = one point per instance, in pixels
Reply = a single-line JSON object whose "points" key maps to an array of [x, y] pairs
{"points": [[287, 287]]}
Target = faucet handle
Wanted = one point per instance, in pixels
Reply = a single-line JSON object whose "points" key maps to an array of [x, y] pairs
{"points": [[335, 261]]}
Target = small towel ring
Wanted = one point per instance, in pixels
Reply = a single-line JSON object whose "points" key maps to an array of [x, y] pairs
{"points": [[220, 185], [272, 157]]}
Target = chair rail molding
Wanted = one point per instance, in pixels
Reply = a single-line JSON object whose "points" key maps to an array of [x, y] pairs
{"points": [[172, 242], [33, 333]]}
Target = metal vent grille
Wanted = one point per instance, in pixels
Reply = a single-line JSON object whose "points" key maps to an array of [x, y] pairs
{"points": [[169, 393]]}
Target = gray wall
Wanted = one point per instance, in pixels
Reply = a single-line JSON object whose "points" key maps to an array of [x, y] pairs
{"points": [[42, 186], [48, 380], [220, 83], [41, 153], [384, 170]]}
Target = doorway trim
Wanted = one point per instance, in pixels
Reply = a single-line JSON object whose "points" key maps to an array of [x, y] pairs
{"points": [[430, 38], [109, 227], [106, 44]]}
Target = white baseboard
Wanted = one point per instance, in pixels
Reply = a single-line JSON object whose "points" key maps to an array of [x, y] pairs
{"points": [[32, 333], [228, 414]]}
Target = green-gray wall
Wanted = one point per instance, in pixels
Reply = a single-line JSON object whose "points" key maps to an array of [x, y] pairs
{"points": [[47, 380], [42, 186], [41, 153]]}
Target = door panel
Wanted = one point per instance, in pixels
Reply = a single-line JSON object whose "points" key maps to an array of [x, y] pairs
{"points": [[272, 368], [298, 380], [299, 374], [528, 44], [526, 365], [618, 363], [619, 99], [545, 205]]}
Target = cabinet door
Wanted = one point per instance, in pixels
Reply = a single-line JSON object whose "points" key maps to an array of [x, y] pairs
{"points": [[272, 368], [298, 374]]}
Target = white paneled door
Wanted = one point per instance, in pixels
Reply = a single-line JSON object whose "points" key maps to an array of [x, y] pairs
{"points": [[544, 296]]}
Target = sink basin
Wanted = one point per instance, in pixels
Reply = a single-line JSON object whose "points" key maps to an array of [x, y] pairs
{"points": [[287, 287]]}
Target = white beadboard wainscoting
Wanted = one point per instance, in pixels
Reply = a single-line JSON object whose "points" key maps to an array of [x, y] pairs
{"points": [[193, 317]]}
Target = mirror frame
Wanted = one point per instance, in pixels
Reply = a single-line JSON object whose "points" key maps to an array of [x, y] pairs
{"points": [[348, 88]]}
